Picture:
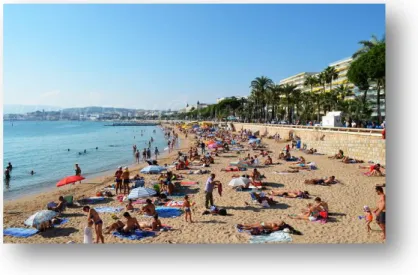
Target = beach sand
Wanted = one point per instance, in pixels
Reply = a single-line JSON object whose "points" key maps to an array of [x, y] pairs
{"points": [[346, 201]]}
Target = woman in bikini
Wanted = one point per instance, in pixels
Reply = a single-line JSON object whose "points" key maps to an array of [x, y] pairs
{"points": [[98, 223], [330, 180], [267, 226], [290, 193], [310, 213]]}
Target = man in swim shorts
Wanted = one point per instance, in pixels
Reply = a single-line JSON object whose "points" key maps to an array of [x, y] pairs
{"points": [[118, 179], [380, 211]]}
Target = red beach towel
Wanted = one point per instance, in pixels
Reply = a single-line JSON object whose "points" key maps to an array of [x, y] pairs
{"points": [[188, 183]]}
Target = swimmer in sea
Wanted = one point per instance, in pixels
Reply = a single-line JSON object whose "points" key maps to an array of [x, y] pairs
{"points": [[32, 172]]}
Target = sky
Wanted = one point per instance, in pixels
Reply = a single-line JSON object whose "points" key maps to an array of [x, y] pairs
{"points": [[164, 56]]}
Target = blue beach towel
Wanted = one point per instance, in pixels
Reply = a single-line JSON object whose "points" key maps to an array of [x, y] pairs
{"points": [[20, 232], [278, 236], [93, 200], [108, 209], [137, 235], [167, 212]]}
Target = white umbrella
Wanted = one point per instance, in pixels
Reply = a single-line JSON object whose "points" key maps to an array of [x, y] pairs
{"points": [[153, 169], [239, 182], [141, 192], [40, 217]]}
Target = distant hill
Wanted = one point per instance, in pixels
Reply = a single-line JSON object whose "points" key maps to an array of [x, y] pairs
{"points": [[23, 109], [96, 109]]}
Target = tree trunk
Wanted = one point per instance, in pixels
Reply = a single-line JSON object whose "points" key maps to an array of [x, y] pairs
{"points": [[379, 114]]}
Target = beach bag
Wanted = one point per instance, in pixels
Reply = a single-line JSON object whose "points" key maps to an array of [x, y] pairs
{"points": [[222, 212]]}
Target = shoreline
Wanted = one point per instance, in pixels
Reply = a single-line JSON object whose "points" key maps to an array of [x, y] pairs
{"points": [[42, 187]]}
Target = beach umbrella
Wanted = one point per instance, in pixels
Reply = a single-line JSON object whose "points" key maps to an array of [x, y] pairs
{"points": [[239, 182], [153, 169], [69, 180], [141, 192], [40, 217]]}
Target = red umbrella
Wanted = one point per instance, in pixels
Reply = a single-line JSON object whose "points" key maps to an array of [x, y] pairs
{"points": [[68, 180]]}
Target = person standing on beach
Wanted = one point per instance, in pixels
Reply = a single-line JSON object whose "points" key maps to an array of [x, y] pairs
{"points": [[125, 176], [77, 170], [380, 211], [137, 156], [156, 152], [210, 185], [148, 153], [118, 179], [169, 145], [187, 209], [202, 146], [98, 223]]}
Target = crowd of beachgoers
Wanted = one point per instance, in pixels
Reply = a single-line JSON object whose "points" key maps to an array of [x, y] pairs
{"points": [[229, 186]]}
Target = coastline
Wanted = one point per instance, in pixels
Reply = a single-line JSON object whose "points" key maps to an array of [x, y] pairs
{"points": [[345, 200]]}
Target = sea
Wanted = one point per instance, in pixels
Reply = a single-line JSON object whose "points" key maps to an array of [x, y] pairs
{"points": [[51, 149]]}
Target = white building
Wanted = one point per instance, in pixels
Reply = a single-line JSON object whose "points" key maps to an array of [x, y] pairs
{"points": [[298, 80]]}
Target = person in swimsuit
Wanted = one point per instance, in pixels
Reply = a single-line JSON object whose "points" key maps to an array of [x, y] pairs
{"points": [[129, 206], [149, 208], [380, 211], [77, 170], [330, 180], [339, 155], [267, 226], [118, 179], [125, 229], [187, 210], [98, 223], [310, 213], [155, 225], [290, 193], [125, 176], [268, 161]]}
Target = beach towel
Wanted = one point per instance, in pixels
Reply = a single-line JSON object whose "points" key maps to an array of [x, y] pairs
{"points": [[174, 204], [108, 209], [140, 201], [137, 235], [167, 212], [257, 183], [188, 183], [20, 232], [278, 236], [92, 200]]}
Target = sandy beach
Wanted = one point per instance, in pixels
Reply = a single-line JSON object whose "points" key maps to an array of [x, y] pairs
{"points": [[345, 199]]}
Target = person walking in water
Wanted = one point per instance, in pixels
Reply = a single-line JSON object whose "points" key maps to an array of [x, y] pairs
{"points": [[148, 153], [77, 170], [156, 152], [137, 156]]}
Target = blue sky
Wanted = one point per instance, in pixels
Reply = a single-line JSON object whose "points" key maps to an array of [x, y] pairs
{"points": [[162, 56]]}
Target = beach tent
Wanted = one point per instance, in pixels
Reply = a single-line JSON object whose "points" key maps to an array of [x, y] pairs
{"points": [[40, 217], [141, 192], [153, 169], [239, 182]]}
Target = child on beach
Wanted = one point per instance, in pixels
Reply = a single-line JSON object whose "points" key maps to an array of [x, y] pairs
{"points": [[88, 233], [187, 208], [368, 216]]}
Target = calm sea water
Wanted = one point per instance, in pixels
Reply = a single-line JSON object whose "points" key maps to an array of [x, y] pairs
{"points": [[43, 146]]}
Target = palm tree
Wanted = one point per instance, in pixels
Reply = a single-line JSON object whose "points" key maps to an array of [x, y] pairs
{"points": [[320, 81], [330, 75], [342, 91], [311, 81], [367, 45], [274, 92], [288, 91], [259, 87]]}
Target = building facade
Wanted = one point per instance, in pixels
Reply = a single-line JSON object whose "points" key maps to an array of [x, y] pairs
{"points": [[298, 80]]}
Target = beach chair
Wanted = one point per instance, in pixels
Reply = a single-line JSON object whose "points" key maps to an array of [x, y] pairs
{"points": [[70, 200]]}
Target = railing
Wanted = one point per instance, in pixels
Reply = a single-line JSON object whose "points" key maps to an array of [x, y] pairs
{"points": [[322, 128]]}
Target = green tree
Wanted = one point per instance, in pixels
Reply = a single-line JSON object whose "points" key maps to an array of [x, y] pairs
{"points": [[259, 88], [367, 45], [330, 74]]}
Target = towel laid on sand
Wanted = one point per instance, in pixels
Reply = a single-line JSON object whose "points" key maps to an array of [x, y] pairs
{"points": [[62, 221], [108, 209], [188, 183], [167, 212], [92, 200], [137, 235], [174, 204], [20, 232], [278, 236]]}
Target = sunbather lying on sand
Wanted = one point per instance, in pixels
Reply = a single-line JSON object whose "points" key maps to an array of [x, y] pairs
{"points": [[290, 193], [130, 226], [268, 226], [301, 160], [301, 166], [351, 160], [311, 151], [330, 180]]}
